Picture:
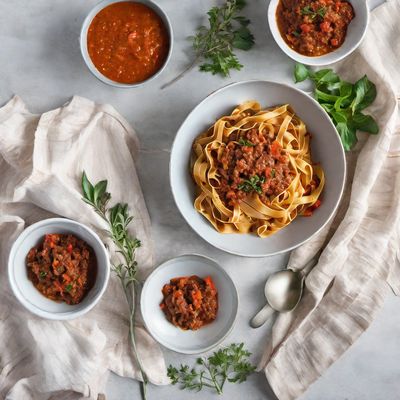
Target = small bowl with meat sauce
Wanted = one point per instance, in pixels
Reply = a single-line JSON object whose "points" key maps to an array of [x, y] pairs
{"points": [[58, 269], [189, 304], [318, 32], [126, 43]]}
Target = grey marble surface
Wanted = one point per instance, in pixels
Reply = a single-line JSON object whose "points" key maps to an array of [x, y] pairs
{"points": [[41, 61]]}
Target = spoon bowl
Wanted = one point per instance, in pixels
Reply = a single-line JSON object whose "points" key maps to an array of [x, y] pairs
{"points": [[283, 291]]}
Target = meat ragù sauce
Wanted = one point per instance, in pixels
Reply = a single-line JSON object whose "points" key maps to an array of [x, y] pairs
{"points": [[190, 302], [314, 27], [253, 162], [62, 268], [128, 42]]}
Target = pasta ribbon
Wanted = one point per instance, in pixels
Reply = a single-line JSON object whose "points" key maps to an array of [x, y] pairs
{"points": [[256, 212]]}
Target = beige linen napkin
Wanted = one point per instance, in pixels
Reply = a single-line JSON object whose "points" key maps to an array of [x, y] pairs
{"points": [[361, 246], [41, 161]]}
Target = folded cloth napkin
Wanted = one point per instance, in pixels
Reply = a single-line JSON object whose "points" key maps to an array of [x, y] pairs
{"points": [[41, 161], [360, 256]]}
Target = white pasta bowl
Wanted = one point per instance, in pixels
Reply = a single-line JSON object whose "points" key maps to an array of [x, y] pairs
{"points": [[354, 36], [25, 291], [176, 339], [326, 148]]}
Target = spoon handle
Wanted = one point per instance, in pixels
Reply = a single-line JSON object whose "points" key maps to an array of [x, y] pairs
{"points": [[261, 317]]}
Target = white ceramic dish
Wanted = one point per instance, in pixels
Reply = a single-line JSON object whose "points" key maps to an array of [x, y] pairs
{"points": [[83, 41], [355, 34], [326, 148], [189, 342], [23, 288]]}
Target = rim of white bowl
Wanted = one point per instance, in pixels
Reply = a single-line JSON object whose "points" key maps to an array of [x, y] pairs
{"points": [[31, 307], [236, 311], [311, 61], [175, 196], [83, 41]]}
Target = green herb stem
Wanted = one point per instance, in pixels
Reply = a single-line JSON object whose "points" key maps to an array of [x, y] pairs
{"points": [[215, 44], [118, 219]]}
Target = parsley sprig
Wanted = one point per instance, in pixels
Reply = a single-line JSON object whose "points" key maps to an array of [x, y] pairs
{"points": [[227, 364], [215, 44], [245, 142], [252, 184], [307, 10], [118, 219], [343, 101]]}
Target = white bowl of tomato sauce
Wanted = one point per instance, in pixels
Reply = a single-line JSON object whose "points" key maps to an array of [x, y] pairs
{"points": [[318, 32], [126, 43], [58, 269]]}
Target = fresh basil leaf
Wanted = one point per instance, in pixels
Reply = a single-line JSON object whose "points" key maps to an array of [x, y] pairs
{"points": [[325, 76], [325, 97], [365, 123], [339, 117], [333, 88], [327, 107], [346, 89], [347, 134], [301, 73], [365, 92]]}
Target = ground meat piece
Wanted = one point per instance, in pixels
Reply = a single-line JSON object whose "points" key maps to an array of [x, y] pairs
{"points": [[190, 302], [62, 268], [314, 27]]}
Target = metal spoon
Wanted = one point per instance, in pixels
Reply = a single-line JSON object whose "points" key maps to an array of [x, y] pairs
{"points": [[283, 291]]}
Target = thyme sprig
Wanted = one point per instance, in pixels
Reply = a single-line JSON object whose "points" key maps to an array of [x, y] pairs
{"points": [[118, 220]]}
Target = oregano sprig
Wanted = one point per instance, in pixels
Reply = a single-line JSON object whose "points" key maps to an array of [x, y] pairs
{"points": [[229, 364], [215, 44]]}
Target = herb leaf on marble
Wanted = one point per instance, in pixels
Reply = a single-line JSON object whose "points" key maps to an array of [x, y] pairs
{"points": [[214, 45], [228, 364], [343, 101]]}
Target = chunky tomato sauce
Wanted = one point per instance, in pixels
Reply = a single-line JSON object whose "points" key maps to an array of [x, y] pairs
{"points": [[190, 302], [128, 42], [314, 27], [62, 268], [252, 162]]}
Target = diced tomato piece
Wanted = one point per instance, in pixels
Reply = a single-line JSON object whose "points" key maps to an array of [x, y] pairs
{"points": [[325, 26], [231, 194], [305, 28], [209, 282], [247, 149], [334, 42], [70, 248], [276, 149], [316, 204], [197, 295], [162, 306], [267, 172]]}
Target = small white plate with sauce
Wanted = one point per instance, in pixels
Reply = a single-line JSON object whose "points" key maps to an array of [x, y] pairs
{"points": [[187, 341], [24, 290]]}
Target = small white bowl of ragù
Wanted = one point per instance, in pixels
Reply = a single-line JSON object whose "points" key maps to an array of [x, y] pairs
{"points": [[126, 43], [58, 269], [318, 32]]}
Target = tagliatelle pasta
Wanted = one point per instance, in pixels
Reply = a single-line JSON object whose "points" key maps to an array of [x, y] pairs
{"points": [[253, 170]]}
